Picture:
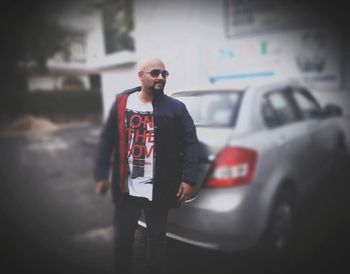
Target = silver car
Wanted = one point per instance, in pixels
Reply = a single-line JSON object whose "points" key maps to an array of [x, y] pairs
{"points": [[261, 148]]}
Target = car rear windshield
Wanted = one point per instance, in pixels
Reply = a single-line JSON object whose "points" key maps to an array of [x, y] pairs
{"points": [[214, 109]]}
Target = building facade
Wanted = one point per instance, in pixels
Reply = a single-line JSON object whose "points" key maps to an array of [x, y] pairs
{"points": [[85, 48], [229, 41], [204, 43]]}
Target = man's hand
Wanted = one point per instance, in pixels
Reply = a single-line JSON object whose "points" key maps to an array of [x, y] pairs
{"points": [[101, 187], [184, 192]]}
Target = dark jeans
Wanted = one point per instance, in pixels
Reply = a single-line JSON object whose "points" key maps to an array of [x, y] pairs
{"points": [[127, 213]]}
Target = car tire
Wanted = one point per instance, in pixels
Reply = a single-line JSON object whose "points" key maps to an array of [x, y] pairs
{"points": [[278, 238]]}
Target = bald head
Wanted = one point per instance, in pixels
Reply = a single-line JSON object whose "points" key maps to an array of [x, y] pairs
{"points": [[153, 76], [150, 63]]}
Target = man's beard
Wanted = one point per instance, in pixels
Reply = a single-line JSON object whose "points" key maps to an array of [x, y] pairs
{"points": [[157, 92]]}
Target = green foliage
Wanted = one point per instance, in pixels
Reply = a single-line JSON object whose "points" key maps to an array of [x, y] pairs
{"points": [[29, 36], [37, 34]]}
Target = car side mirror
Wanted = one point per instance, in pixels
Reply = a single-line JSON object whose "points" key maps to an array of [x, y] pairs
{"points": [[332, 110]]}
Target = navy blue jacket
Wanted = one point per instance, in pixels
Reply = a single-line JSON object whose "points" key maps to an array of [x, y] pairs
{"points": [[176, 148]]}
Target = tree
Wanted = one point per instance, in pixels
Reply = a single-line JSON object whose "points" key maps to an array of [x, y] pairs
{"points": [[29, 37], [31, 34]]}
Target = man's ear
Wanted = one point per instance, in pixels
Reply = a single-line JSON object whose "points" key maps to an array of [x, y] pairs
{"points": [[140, 74]]}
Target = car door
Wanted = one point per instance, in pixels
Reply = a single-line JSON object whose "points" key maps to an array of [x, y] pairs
{"points": [[290, 136], [322, 132]]}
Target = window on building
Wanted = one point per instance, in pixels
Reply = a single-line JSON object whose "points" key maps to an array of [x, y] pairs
{"points": [[118, 25], [77, 48], [74, 48], [255, 16]]}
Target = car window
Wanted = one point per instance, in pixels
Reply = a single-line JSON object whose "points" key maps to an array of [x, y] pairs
{"points": [[306, 104], [211, 109], [276, 109], [268, 113]]}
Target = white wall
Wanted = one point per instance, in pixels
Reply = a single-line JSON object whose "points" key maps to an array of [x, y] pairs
{"points": [[190, 36], [43, 83], [176, 31], [115, 81], [52, 82]]}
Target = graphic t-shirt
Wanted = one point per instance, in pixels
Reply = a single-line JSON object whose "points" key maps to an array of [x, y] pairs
{"points": [[140, 130]]}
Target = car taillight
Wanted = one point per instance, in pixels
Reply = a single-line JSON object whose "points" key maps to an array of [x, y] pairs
{"points": [[232, 167]]}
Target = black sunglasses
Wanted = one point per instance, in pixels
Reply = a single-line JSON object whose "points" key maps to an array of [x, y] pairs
{"points": [[155, 73]]}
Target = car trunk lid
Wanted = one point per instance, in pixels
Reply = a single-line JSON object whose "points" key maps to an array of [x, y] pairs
{"points": [[211, 141]]}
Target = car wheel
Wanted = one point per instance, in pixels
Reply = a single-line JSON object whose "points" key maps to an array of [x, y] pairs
{"points": [[278, 237]]}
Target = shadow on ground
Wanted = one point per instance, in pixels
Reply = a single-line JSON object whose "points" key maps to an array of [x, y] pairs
{"points": [[51, 221]]}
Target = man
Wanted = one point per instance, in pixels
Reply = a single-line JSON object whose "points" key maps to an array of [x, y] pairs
{"points": [[152, 142]]}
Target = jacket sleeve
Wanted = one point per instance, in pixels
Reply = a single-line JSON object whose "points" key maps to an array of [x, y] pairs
{"points": [[107, 144], [189, 173]]}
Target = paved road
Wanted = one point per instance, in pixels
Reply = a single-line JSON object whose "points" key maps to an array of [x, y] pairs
{"points": [[51, 221]]}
